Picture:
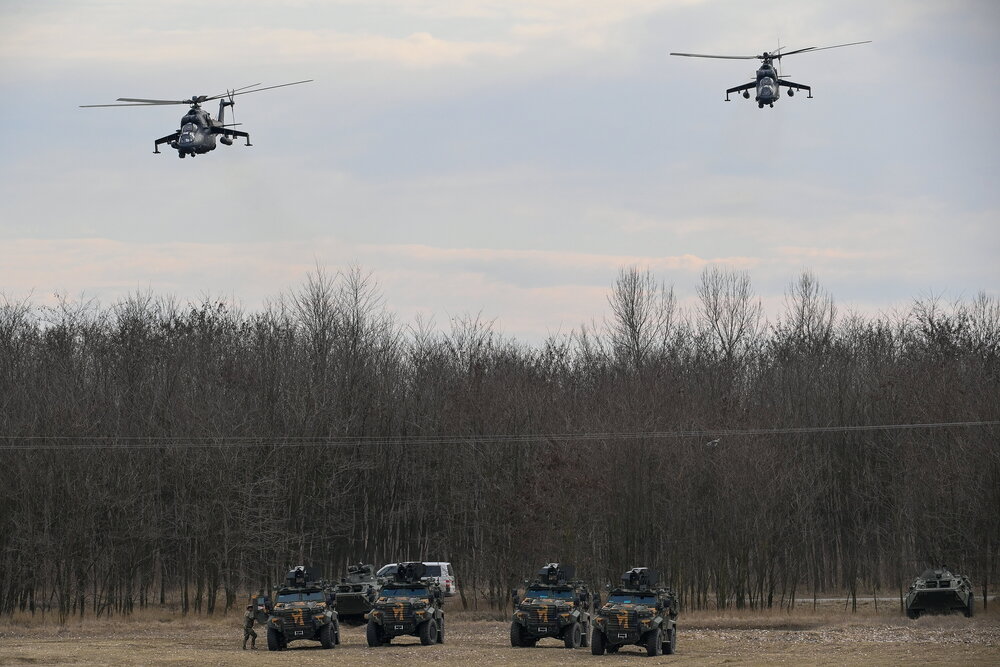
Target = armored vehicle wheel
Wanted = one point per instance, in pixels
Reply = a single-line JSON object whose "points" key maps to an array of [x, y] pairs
{"points": [[441, 631], [273, 640], [326, 636], [427, 632], [654, 642], [670, 646], [585, 637], [572, 636], [970, 608], [597, 642], [516, 639], [373, 635], [912, 613]]}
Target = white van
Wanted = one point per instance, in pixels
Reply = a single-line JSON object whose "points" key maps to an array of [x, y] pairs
{"points": [[440, 570]]}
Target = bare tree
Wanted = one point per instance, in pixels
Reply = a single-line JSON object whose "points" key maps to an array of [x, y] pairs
{"points": [[643, 316], [731, 314]]}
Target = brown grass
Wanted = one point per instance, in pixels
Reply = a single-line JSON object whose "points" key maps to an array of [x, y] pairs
{"points": [[828, 636]]}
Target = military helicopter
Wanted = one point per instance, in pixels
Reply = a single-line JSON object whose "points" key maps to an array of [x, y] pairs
{"points": [[769, 82], [198, 129]]}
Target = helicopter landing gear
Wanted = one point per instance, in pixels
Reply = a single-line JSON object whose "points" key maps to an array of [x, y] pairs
{"points": [[760, 105], [771, 105], [182, 155]]}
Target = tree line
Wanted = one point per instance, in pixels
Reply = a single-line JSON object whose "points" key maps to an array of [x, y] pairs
{"points": [[160, 453]]}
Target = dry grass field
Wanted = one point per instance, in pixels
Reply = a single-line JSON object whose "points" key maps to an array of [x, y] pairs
{"points": [[828, 637]]}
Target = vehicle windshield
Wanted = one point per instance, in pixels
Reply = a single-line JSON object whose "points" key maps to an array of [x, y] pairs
{"points": [[416, 592], [549, 594], [302, 596], [629, 598], [386, 570]]}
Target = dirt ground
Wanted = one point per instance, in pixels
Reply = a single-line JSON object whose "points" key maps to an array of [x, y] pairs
{"points": [[738, 638]]}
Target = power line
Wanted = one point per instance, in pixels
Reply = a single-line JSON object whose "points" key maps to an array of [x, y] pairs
{"points": [[66, 442]]}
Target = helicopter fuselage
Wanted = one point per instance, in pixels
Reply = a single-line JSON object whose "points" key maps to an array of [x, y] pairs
{"points": [[195, 136], [768, 90]]}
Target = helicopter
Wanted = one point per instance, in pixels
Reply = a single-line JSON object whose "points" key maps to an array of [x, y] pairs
{"points": [[198, 129], [768, 82]]}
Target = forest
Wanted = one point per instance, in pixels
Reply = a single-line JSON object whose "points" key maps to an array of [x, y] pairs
{"points": [[154, 452]]}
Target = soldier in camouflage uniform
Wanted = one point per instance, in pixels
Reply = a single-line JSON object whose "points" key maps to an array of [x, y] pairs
{"points": [[248, 633]]}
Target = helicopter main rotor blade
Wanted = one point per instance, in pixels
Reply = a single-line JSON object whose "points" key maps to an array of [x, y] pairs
{"points": [[138, 104], [810, 49], [230, 92], [702, 55], [256, 90], [139, 99]]}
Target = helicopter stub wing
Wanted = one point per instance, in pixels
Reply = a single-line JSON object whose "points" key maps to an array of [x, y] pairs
{"points": [[163, 140], [739, 89], [225, 131], [796, 86]]}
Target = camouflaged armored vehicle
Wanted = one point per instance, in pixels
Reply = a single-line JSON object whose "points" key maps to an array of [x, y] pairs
{"points": [[356, 592], [939, 591], [303, 609], [636, 613], [408, 603], [553, 605]]}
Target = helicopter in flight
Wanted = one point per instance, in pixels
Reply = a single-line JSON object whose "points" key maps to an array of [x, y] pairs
{"points": [[768, 81], [198, 130]]}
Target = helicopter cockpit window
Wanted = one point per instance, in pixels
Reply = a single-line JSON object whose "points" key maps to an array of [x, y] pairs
{"points": [[767, 81], [188, 127]]}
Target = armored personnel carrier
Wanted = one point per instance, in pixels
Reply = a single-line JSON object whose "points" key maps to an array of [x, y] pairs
{"points": [[637, 613], [355, 593], [303, 609], [408, 603], [553, 605], [939, 591]]}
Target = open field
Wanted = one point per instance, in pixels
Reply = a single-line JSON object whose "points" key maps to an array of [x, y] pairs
{"points": [[825, 638]]}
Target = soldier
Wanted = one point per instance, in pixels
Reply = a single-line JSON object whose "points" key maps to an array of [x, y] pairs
{"points": [[248, 620]]}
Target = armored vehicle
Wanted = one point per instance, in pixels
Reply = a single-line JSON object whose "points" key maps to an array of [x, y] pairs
{"points": [[303, 609], [637, 613], [553, 605], [939, 591], [355, 593], [408, 603]]}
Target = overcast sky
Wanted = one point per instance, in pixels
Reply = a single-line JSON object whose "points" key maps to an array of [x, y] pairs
{"points": [[502, 157]]}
